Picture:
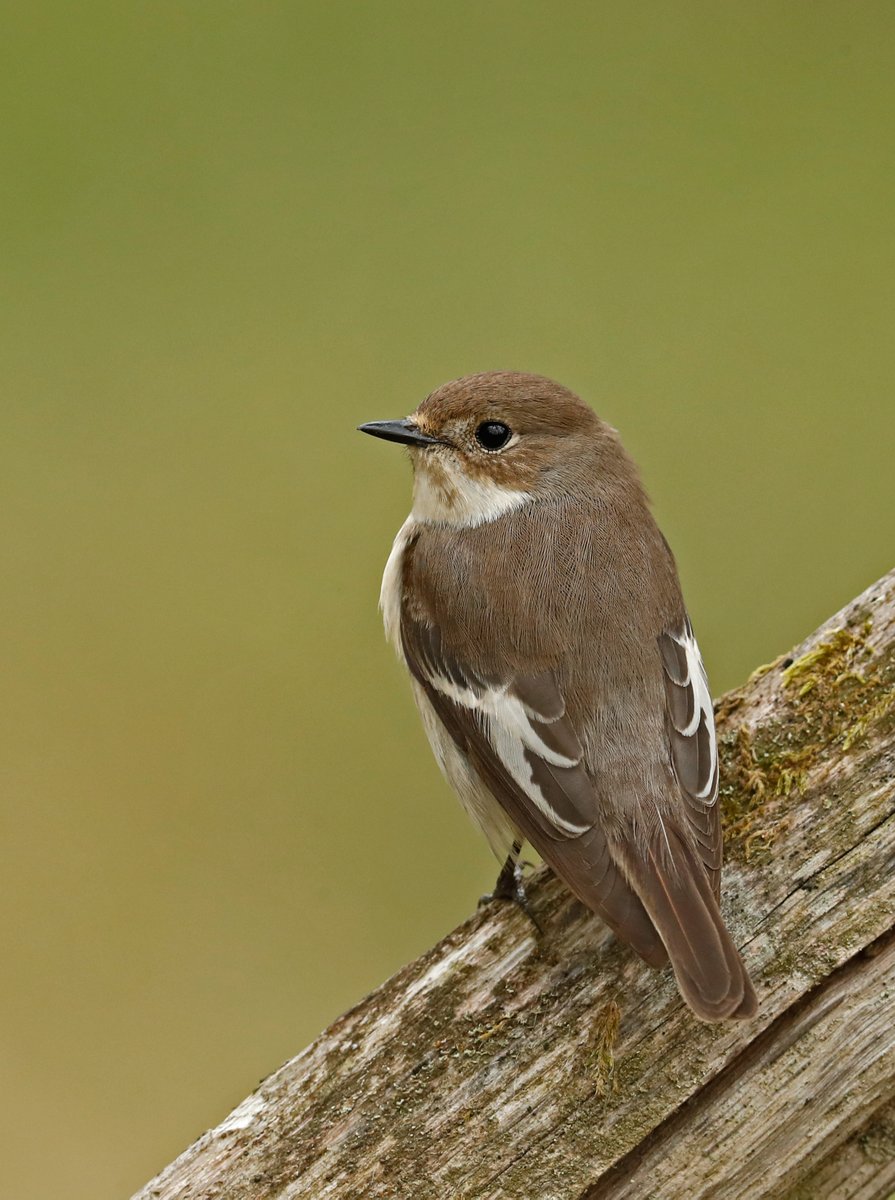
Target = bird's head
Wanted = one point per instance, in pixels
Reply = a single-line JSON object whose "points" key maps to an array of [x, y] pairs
{"points": [[486, 444]]}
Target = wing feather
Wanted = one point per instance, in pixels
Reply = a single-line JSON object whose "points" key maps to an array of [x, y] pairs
{"points": [[694, 750], [521, 721], [518, 737]]}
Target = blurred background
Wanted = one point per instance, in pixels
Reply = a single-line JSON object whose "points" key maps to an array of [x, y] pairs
{"points": [[232, 231]]}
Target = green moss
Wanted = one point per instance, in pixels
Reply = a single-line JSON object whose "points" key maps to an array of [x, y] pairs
{"points": [[602, 1047], [859, 729], [831, 696], [749, 782], [833, 660], [765, 669]]}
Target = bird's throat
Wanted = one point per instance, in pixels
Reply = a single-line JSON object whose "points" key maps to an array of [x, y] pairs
{"points": [[444, 494]]}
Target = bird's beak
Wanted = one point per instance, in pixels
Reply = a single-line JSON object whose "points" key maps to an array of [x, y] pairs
{"points": [[403, 431]]}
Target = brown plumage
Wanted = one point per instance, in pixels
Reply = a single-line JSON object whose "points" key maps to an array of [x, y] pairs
{"points": [[538, 609]]}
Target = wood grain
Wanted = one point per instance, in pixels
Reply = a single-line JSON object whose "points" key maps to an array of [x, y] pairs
{"points": [[860, 1168]]}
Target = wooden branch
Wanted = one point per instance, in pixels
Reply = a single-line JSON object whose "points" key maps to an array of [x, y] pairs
{"points": [[501, 1065]]}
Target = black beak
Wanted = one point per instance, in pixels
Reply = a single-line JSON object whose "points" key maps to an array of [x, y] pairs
{"points": [[399, 431]]}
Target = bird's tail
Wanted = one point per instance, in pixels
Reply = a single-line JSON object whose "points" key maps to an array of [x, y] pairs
{"points": [[675, 891]]}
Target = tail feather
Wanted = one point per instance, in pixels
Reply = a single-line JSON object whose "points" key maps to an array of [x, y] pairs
{"points": [[675, 890], [588, 869]]}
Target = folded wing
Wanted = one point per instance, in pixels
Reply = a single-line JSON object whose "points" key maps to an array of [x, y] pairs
{"points": [[517, 735], [694, 750], [678, 879]]}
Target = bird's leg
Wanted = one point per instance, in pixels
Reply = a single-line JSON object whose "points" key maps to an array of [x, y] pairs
{"points": [[510, 885]]}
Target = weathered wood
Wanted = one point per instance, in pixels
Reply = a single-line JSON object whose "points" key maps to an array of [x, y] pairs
{"points": [[501, 1065], [860, 1168]]}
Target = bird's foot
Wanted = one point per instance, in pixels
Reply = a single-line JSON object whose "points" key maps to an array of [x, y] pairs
{"points": [[510, 886]]}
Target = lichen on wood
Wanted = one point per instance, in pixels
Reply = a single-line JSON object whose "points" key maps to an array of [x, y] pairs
{"points": [[505, 1065]]}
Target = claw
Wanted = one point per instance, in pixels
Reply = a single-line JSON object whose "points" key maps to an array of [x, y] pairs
{"points": [[510, 886]]}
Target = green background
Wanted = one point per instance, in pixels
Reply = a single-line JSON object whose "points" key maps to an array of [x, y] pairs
{"points": [[232, 231]]}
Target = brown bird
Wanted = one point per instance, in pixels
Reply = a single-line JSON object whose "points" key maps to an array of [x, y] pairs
{"points": [[538, 609]]}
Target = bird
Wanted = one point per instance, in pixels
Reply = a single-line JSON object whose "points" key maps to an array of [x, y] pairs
{"points": [[538, 610]]}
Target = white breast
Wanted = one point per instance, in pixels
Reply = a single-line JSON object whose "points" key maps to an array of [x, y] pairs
{"points": [[392, 583]]}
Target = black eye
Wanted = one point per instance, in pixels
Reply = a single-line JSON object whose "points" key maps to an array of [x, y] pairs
{"points": [[493, 435]]}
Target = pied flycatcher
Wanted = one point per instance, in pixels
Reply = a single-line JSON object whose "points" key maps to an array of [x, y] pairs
{"points": [[538, 609]]}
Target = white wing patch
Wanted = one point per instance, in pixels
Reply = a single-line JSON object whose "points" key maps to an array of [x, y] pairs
{"points": [[684, 667], [529, 740], [507, 724]]}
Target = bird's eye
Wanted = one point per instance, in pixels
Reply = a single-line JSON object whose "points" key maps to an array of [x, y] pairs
{"points": [[493, 435]]}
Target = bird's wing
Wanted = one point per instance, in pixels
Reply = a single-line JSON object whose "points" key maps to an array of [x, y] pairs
{"points": [[694, 750], [517, 735], [678, 878]]}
